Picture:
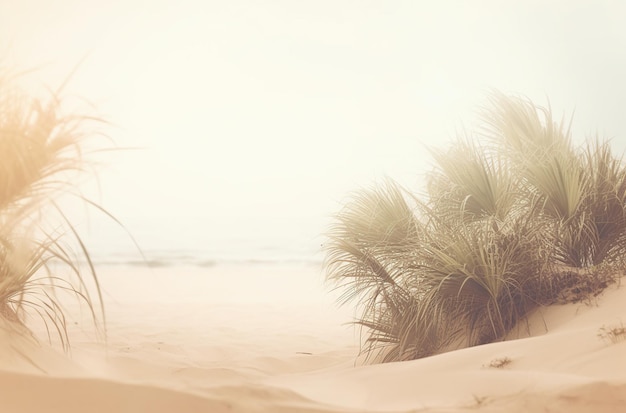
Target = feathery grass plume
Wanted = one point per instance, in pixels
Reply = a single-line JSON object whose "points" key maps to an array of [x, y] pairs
{"points": [[524, 130], [473, 181], [580, 193], [41, 152], [601, 236], [483, 280], [539, 149], [372, 255], [521, 221]]}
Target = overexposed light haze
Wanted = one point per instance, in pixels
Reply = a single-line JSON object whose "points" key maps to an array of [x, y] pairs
{"points": [[255, 119]]}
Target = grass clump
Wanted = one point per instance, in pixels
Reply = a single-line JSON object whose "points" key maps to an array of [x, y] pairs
{"points": [[40, 250], [517, 219], [613, 334], [500, 362]]}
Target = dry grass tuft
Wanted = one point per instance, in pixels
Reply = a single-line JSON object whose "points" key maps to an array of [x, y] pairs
{"points": [[40, 250], [517, 220], [499, 363], [613, 334]]}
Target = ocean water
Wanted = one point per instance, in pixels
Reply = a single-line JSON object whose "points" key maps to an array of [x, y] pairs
{"points": [[255, 254]]}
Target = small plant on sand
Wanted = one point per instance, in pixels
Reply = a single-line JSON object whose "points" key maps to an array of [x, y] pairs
{"points": [[518, 219], [613, 334], [479, 401], [42, 155], [500, 362]]}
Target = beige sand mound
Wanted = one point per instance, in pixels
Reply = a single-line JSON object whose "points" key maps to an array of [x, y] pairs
{"points": [[597, 396], [29, 393], [560, 366], [190, 347]]}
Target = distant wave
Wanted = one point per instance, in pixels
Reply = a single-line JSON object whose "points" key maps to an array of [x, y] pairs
{"points": [[165, 258], [203, 264]]}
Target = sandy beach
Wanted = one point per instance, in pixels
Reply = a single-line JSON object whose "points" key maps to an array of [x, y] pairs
{"points": [[195, 170], [266, 338]]}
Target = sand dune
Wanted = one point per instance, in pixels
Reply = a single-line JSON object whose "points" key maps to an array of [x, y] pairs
{"points": [[282, 346], [568, 368]]}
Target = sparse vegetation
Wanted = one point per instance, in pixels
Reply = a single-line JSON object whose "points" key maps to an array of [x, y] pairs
{"points": [[479, 401], [500, 362], [42, 156], [613, 334], [517, 219]]}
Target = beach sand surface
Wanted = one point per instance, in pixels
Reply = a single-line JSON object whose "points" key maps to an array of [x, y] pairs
{"points": [[270, 338]]}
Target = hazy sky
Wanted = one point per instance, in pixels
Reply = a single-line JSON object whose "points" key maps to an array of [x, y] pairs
{"points": [[256, 118]]}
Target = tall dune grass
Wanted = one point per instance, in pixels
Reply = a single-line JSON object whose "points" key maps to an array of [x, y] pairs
{"points": [[509, 222], [40, 249]]}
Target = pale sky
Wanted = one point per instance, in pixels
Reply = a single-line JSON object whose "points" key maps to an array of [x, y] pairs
{"points": [[257, 118]]}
